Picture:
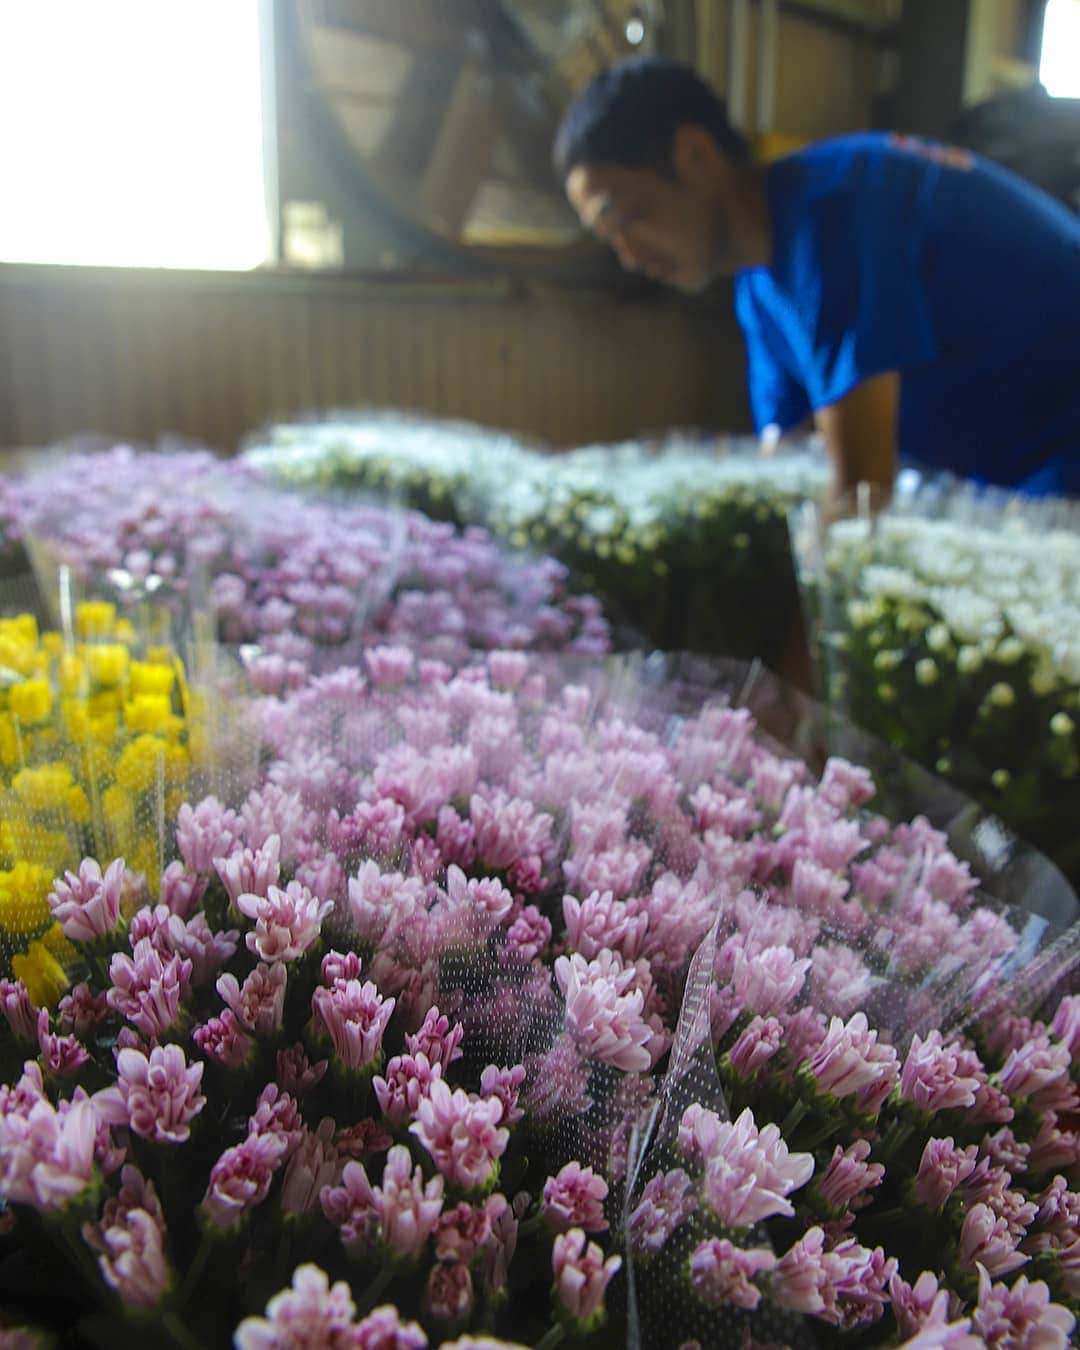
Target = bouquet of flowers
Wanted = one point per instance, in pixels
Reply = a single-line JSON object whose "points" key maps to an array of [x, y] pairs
{"points": [[101, 737], [293, 580], [953, 638], [392, 1054], [669, 535], [423, 464]]}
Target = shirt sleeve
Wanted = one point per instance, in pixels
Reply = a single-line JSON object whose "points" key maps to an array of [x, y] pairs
{"points": [[777, 397], [856, 279]]}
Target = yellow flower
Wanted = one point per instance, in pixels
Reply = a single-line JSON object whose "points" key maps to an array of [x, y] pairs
{"points": [[54, 941], [44, 788], [76, 719], [150, 712], [152, 677], [24, 907], [42, 973], [95, 618], [71, 673], [11, 752], [26, 840], [107, 662], [30, 701], [78, 806], [124, 631], [119, 812], [137, 766], [144, 858]]}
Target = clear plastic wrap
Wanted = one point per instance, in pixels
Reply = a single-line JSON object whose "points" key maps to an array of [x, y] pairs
{"points": [[946, 626]]}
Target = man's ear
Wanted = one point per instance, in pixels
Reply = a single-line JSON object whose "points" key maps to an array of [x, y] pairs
{"points": [[695, 156]]}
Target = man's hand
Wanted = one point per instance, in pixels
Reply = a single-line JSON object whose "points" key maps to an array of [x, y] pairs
{"points": [[860, 435]]}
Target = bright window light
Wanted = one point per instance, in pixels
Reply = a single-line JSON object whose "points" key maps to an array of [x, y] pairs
{"points": [[1059, 64], [133, 133]]}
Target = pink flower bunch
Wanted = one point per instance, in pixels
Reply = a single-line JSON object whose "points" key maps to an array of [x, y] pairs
{"points": [[287, 921], [86, 905], [582, 1276], [462, 1134], [748, 1173], [604, 1005], [354, 1015], [312, 1312], [161, 1092], [147, 990]]}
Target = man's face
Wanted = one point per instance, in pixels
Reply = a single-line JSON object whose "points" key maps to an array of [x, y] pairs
{"points": [[661, 226]]}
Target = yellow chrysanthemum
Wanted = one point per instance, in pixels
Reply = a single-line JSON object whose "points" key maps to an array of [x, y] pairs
{"points": [[150, 712], [54, 942], [118, 810], [106, 663], [144, 858], [43, 975], [177, 765], [11, 747], [44, 788], [71, 673], [95, 618], [78, 806], [140, 762], [24, 907], [23, 839], [75, 717], [152, 677], [30, 701]]}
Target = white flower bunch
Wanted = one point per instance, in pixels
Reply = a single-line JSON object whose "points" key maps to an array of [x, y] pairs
{"points": [[958, 641]]}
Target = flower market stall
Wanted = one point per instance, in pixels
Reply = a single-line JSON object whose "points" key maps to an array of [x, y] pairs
{"points": [[368, 980]]}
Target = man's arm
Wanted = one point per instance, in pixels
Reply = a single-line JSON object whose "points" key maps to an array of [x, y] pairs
{"points": [[860, 433]]}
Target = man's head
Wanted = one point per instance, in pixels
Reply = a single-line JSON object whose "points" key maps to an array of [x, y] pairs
{"points": [[651, 164]]}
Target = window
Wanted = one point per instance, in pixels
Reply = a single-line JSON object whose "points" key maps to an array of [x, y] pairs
{"points": [[133, 133], [1059, 63]]}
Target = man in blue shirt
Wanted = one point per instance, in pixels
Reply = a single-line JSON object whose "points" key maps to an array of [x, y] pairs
{"points": [[914, 299]]}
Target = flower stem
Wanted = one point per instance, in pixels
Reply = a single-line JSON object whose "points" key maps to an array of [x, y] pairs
{"points": [[195, 1270], [179, 1333], [551, 1338]]}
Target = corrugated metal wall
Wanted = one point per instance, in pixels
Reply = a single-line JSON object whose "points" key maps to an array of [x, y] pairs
{"points": [[213, 356]]}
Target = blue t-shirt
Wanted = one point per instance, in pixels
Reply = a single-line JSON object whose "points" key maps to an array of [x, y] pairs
{"points": [[890, 253]]}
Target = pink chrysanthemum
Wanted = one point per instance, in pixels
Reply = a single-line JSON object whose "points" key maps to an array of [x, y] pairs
{"points": [[355, 1016], [87, 905], [722, 1273], [161, 1092], [581, 1275], [574, 1198], [287, 922], [604, 1010], [310, 1313], [408, 1208], [850, 1062], [462, 1134], [1021, 1316]]}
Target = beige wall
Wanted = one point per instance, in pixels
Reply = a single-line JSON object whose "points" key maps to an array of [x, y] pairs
{"points": [[213, 356], [825, 73]]}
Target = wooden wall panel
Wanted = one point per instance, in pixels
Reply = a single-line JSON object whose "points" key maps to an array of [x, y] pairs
{"points": [[209, 356]]}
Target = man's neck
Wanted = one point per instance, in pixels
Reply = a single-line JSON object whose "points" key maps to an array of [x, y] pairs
{"points": [[749, 229]]}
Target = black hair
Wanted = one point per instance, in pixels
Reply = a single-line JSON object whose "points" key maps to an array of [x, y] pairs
{"points": [[628, 116]]}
